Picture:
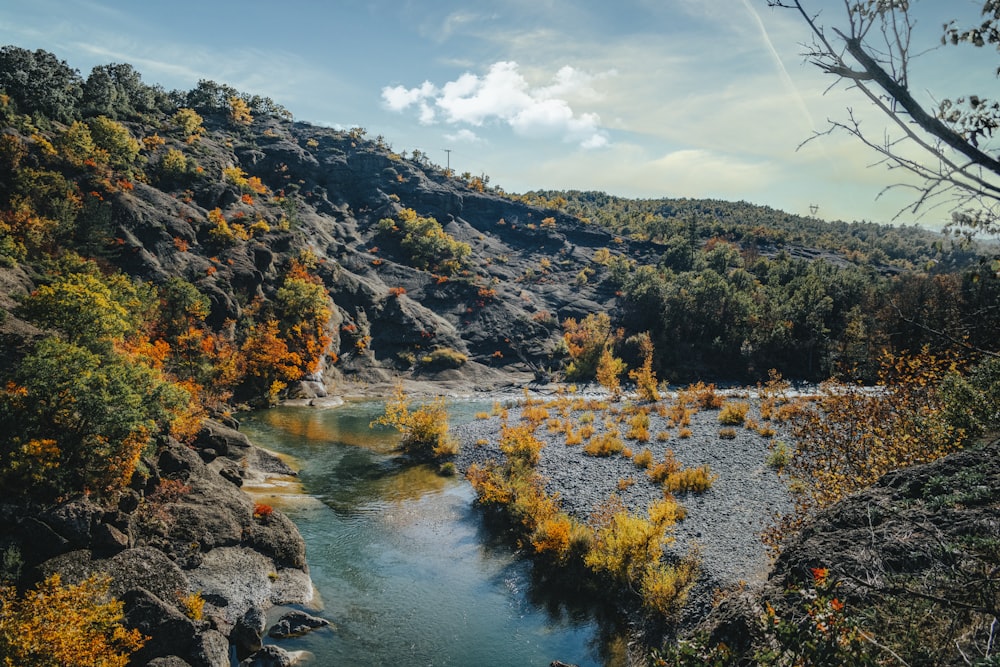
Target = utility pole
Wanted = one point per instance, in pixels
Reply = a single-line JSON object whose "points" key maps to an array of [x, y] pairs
{"points": [[448, 151]]}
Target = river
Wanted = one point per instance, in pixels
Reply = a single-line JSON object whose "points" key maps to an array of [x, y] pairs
{"points": [[402, 562]]}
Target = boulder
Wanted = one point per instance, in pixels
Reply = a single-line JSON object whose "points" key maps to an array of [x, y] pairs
{"points": [[147, 569], [248, 633], [108, 540], [168, 661], [170, 632], [296, 624], [270, 656]]}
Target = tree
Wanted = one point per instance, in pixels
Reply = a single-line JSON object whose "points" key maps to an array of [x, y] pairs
{"points": [[72, 420], [946, 148], [117, 91], [38, 82]]}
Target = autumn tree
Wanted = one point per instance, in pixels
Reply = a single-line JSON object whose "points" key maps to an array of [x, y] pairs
{"points": [[586, 342]]}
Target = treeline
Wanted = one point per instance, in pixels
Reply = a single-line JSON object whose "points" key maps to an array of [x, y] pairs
{"points": [[676, 221], [720, 310]]}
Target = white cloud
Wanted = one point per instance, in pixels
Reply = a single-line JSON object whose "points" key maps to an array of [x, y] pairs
{"points": [[504, 95], [464, 136]]}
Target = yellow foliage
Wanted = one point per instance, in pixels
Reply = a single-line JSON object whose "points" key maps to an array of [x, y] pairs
{"points": [[605, 444], [425, 429], [65, 626], [853, 435], [194, 605], [519, 443], [733, 414]]}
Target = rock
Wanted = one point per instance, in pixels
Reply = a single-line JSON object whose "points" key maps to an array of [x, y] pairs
{"points": [[226, 441], [170, 632], [148, 569], [177, 461], [270, 656], [296, 624], [211, 649], [74, 521], [248, 633], [108, 540], [276, 536], [44, 544], [168, 661], [235, 579]]}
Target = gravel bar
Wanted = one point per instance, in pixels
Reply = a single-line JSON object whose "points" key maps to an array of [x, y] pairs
{"points": [[724, 523]]}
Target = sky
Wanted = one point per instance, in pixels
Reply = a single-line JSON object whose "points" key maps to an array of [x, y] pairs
{"points": [[637, 98]]}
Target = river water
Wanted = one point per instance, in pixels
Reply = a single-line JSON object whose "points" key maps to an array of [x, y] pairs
{"points": [[402, 562]]}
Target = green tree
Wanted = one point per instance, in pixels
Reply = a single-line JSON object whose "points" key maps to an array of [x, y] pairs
{"points": [[40, 83], [74, 420], [111, 136]]}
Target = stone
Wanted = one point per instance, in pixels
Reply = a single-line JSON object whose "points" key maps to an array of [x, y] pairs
{"points": [[248, 633], [269, 656], [296, 624], [108, 540]]}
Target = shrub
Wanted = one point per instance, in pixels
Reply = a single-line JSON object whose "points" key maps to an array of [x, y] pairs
{"points": [[444, 357], [638, 427], [58, 626], [519, 444], [193, 605], [780, 456], [733, 414], [605, 444], [727, 433], [664, 588], [424, 430], [684, 433], [643, 459], [703, 395]]}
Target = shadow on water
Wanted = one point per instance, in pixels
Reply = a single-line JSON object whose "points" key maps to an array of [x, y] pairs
{"points": [[405, 565]]}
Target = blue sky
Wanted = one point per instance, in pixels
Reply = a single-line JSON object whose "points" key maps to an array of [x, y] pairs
{"points": [[640, 98]]}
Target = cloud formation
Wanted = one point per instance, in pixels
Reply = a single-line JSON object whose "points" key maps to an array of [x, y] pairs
{"points": [[504, 95]]}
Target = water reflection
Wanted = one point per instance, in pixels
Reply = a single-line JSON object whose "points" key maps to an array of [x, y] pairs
{"points": [[408, 570]]}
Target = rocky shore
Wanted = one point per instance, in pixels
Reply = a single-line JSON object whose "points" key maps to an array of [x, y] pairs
{"points": [[183, 531]]}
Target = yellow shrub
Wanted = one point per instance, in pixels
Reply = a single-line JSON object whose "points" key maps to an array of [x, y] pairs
{"points": [[57, 626], [665, 588], [643, 459], [638, 427], [425, 429], [605, 444], [520, 444], [733, 414]]}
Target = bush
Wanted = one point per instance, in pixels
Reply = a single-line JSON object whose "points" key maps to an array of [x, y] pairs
{"points": [[733, 414], [605, 444], [65, 626], [444, 357], [727, 433], [424, 430]]}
